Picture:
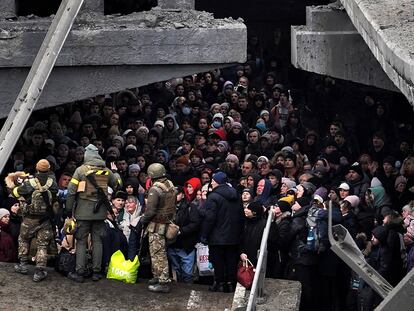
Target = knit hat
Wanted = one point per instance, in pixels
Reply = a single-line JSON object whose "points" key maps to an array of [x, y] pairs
{"points": [[159, 122], [233, 157], [237, 124], [400, 180], [249, 191], [289, 199], [43, 165], [390, 160], [218, 115], [292, 156], [357, 168], [263, 159], [130, 147], [310, 187], [284, 206], [228, 84], [3, 212], [353, 199], [120, 139], [322, 192], [220, 178], [214, 106], [344, 186], [375, 182], [182, 160], [91, 152], [287, 149], [381, 233], [256, 208], [223, 145], [263, 112], [120, 195], [133, 167], [113, 149], [289, 183]]}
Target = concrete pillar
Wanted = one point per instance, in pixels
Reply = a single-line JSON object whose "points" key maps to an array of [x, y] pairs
{"points": [[7, 9], [92, 7], [177, 4]]}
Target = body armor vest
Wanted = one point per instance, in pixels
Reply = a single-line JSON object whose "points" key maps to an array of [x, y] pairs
{"points": [[38, 206], [101, 176], [166, 212]]}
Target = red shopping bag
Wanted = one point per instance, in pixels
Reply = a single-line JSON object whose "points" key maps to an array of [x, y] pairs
{"points": [[245, 274]]}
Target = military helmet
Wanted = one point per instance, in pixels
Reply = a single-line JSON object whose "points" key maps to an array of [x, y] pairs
{"points": [[156, 170]]}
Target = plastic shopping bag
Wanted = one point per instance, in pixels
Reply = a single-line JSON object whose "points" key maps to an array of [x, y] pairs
{"points": [[121, 269], [205, 268]]}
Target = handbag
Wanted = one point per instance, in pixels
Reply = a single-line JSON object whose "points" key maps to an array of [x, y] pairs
{"points": [[172, 231], [245, 273]]}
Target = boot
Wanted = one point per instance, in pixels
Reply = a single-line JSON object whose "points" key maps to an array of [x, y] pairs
{"points": [[21, 268], [96, 277], [229, 287], [74, 276], [153, 281], [159, 288], [217, 287], [39, 275]]}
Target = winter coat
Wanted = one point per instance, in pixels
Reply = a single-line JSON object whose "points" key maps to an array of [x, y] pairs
{"points": [[188, 219], [360, 187], [395, 229], [299, 232], [252, 237], [113, 239], [223, 222], [85, 208], [8, 250], [279, 241], [170, 136], [350, 223]]}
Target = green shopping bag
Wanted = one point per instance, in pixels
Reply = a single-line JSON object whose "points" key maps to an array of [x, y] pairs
{"points": [[121, 269]]}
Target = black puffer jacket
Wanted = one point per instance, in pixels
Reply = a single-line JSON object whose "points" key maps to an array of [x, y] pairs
{"points": [[188, 219], [224, 218], [298, 233], [252, 237]]}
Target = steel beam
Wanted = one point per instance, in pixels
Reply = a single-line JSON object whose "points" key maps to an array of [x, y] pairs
{"points": [[37, 77]]}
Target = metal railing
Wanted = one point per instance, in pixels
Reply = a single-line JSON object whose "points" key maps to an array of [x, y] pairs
{"points": [[37, 77], [256, 293]]}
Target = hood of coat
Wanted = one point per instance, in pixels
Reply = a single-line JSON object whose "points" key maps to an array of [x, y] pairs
{"points": [[227, 192]]}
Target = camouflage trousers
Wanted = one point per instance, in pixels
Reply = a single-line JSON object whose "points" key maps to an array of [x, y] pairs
{"points": [[158, 253], [43, 237]]}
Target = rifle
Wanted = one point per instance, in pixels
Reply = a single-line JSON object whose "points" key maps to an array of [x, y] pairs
{"points": [[102, 198]]}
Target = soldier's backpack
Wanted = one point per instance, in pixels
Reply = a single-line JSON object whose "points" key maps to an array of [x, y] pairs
{"points": [[41, 197]]}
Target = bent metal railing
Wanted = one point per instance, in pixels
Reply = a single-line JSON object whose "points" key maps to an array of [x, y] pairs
{"points": [[256, 293]]}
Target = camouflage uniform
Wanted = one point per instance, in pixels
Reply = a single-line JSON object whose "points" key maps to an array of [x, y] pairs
{"points": [[88, 220], [34, 225], [160, 210]]}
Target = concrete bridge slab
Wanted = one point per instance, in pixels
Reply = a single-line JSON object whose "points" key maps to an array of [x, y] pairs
{"points": [[330, 45], [387, 27]]}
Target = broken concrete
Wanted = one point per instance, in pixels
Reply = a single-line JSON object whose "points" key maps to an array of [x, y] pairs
{"points": [[176, 4], [330, 45], [7, 9], [105, 54], [280, 295], [92, 7], [387, 28]]}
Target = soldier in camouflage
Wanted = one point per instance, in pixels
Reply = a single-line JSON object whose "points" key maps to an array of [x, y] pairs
{"points": [[160, 210], [36, 221], [90, 211]]}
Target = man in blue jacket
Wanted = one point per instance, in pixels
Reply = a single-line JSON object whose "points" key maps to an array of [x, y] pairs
{"points": [[221, 230]]}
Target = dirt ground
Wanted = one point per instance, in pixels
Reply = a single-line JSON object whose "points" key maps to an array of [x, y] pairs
{"points": [[19, 292]]}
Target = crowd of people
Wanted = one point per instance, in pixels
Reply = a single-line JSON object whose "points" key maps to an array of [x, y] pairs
{"points": [[234, 144]]}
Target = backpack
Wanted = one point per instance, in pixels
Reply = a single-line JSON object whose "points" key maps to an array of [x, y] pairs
{"points": [[317, 231], [39, 204]]}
